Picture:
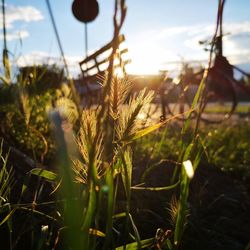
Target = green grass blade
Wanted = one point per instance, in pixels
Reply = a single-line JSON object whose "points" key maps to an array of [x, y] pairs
{"points": [[133, 246], [7, 217], [184, 191], [110, 208], [89, 216], [152, 128], [157, 188], [48, 175], [25, 185], [181, 216], [43, 237], [72, 209], [169, 244], [120, 215], [126, 178], [194, 104], [96, 232], [137, 235]]}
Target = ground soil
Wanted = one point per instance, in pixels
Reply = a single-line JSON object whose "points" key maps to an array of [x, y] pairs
{"points": [[219, 209]]}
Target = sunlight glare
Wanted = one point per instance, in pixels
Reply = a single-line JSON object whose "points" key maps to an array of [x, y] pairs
{"points": [[142, 116], [146, 59], [176, 80], [119, 72], [188, 166]]}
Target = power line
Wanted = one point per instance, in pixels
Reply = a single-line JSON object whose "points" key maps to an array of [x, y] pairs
{"points": [[57, 37]]}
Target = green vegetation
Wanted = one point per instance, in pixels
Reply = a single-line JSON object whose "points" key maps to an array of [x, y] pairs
{"points": [[24, 111], [100, 179], [226, 147], [240, 109], [106, 160]]}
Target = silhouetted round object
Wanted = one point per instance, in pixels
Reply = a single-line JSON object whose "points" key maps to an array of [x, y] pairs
{"points": [[85, 10]]}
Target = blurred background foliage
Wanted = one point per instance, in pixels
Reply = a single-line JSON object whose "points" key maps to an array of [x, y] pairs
{"points": [[24, 107]]}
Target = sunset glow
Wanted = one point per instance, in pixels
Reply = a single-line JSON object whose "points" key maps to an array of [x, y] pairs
{"points": [[146, 59]]}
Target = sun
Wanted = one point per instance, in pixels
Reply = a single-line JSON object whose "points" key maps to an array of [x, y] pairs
{"points": [[146, 59]]}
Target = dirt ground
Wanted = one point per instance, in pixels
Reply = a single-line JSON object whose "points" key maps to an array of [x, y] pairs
{"points": [[219, 210]]}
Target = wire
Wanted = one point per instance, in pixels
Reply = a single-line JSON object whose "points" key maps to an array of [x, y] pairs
{"points": [[71, 82], [57, 37]]}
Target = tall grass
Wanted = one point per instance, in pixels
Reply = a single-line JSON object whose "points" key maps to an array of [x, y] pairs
{"points": [[95, 165], [105, 162], [6, 185]]}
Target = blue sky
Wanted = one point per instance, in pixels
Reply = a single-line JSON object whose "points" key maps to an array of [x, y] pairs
{"points": [[156, 31]]}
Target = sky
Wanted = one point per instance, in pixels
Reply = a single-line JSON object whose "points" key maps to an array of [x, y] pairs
{"points": [[157, 32]]}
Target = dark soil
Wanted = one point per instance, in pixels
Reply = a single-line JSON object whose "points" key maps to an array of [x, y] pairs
{"points": [[219, 209]]}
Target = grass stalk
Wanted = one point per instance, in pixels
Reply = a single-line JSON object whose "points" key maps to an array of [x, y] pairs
{"points": [[73, 210]]}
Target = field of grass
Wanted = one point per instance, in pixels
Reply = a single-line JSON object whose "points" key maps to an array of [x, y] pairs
{"points": [[242, 108], [219, 192], [217, 208], [226, 146], [135, 190]]}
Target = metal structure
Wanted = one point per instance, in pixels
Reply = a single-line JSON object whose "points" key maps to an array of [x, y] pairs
{"points": [[220, 85]]}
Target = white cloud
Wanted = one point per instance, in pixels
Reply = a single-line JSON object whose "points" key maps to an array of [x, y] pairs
{"points": [[237, 28], [206, 29], [15, 14], [235, 42], [40, 58], [173, 31], [16, 35], [203, 32], [20, 13]]}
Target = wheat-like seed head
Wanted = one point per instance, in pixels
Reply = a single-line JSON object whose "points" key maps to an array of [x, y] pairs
{"points": [[173, 209], [67, 109], [120, 88], [127, 124], [25, 104], [126, 170], [81, 171], [87, 142]]}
